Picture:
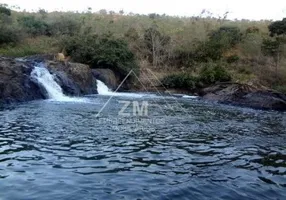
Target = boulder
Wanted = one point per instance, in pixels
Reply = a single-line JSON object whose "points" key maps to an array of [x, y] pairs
{"points": [[107, 76], [17, 85], [15, 82], [67, 84], [246, 96], [74, 78]]}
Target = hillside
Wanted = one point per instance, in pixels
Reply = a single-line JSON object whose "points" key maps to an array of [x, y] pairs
{"points": [[183, 52]]}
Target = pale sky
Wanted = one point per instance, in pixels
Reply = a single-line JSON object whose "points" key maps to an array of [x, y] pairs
{"points": [[240, 9]]}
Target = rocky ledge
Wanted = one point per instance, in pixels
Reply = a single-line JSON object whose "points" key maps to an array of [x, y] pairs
{"points": [[245, 95], [16, 84]]}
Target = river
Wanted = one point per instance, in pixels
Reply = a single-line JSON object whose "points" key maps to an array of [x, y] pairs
{"points": [[182, 148]]}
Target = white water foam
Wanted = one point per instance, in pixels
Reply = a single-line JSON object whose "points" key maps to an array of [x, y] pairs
{"points": [[54, 91], [190, 97], [102, 89]]}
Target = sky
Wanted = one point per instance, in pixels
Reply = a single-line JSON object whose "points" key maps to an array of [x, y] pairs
{"points": [[240, 9]]}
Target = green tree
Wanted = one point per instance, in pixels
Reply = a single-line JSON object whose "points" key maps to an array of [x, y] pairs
{"points": [[5, 14], [227, 36], [212, 73], [274, 47], [43, 13], [103, 51], [278, 28], [4, 10], [34, 26], [219, 42], [8, 33], [182, 81]]}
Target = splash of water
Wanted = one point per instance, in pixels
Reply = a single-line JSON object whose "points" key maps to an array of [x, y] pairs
{"points": [[102, 89], [53, 89]]}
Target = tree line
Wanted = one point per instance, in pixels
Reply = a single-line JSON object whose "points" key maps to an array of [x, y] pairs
{"points": [[188, 48]]}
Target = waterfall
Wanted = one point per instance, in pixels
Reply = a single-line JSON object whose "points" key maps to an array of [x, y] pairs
{"points": [[102, 89], [46, 80]]}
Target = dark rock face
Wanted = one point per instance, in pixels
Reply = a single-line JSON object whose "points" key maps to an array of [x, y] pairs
{"points": [[67, 85], [245, 95], [107, 76], [74, 78], [15, 82]]}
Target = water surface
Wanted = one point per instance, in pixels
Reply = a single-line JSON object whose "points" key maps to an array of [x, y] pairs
{"points": [[184, 149]]}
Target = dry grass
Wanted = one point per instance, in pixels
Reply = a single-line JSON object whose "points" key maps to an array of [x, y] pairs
{"points": [[31, 46]]}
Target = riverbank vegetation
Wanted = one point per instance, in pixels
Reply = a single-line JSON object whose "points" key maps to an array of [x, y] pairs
{"points": [[184, 52]]}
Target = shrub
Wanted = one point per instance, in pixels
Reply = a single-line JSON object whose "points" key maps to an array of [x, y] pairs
{"points": [[244, 70], [227, 36], [9, 35], [183, 58], [4, 10], [183, 81], [251, 45], [273, 48], [232, 59], [281, 88], [212, 73], [219, 41], [270, 47], [277, 28], [132, 34], [101, 51], [210, 50], [65, 26], [252, 29], [34, 26]]}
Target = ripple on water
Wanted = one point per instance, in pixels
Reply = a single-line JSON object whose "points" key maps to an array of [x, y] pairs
{"points": [[62, 151]]}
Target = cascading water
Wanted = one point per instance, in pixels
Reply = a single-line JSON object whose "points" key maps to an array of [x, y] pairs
{"points": [[54, 91], [102, 89], [46, 80]]}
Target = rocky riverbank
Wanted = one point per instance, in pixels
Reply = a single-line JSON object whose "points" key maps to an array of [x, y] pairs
{"points": [[75, 79], [245, 95]]}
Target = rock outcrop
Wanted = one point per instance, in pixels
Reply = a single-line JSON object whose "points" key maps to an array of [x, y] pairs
{"points": [[15, 82], [246, 96], [75, 79], [107, 76]]}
